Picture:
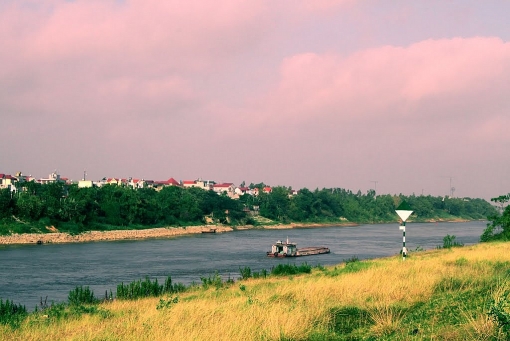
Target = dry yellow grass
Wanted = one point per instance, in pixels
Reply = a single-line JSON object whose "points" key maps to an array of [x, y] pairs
{"points": [[289, 307]]}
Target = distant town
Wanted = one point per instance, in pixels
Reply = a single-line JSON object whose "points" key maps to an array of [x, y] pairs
{"points": [[12, 183]]}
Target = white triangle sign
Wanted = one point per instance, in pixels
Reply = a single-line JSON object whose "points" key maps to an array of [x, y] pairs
{"points": [[404, 214]]}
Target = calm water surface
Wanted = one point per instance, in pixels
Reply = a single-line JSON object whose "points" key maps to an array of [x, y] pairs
{"points": [[30, 272]]}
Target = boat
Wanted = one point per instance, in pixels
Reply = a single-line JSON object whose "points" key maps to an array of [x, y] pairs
{"points": [[288, 249], [209, 231]]}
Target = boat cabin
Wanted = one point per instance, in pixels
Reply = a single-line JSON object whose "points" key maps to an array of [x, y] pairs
{"points": [[284, 248]]}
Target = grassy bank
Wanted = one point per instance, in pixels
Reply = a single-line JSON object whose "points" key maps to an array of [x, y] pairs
{"points": [[447, 294]]}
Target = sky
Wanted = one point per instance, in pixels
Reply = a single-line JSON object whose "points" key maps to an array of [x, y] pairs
{"points": [[401, 97]]}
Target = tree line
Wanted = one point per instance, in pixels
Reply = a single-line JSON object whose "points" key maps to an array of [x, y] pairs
{"points": [[329, 205], [69, 208]]}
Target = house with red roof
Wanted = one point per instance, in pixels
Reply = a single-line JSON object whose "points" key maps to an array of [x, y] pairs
{"points": [[203, 184], [188, 183], [113, 181], [158, 185], [7, 180], [226, 187], [173, 182]]}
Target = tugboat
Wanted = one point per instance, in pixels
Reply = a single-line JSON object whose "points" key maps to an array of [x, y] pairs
{"points": [[288, 249]]}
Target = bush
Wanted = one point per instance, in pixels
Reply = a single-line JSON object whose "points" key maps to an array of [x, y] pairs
{"points": [[166, 304], [81, 295], [147, 288], [12, 314], [449, 242], [214, 280], [139, 289], [262, 273], [290, 269], [245, 272], [499, 312]]}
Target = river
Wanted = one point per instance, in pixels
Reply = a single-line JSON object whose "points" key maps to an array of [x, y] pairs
{"points": [[29, 272]]}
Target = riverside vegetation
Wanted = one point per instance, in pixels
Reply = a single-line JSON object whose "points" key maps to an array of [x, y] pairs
{"points": [[37, 208]]}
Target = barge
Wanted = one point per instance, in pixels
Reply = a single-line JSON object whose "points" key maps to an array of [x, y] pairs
{"points": [[288, 249]]}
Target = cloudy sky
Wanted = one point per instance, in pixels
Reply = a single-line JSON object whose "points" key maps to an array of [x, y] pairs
{"points": [[398, 96]]}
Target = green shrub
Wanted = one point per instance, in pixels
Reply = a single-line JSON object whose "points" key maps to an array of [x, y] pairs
{"points": [[146, 288], [12, 314], [291, 269], [214, 280], [499, 312], [449, 242], [262, 274], [81, 295], [245, 272], [165, 304]]}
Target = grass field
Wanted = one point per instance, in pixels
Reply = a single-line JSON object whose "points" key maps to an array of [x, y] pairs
{"points": [[460, 293]]}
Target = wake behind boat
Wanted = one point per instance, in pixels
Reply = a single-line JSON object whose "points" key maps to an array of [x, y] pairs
{"points": [[288, 249]]}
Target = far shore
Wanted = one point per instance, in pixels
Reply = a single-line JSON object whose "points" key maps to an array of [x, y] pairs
{"points": [[56, 237], [160, 232]]}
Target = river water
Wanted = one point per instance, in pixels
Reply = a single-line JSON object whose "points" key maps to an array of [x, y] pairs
{"points": [[29, 272]]}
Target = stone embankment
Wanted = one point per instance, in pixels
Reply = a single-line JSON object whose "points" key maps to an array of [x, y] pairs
{"points": [[162, 232], [94, 236]]}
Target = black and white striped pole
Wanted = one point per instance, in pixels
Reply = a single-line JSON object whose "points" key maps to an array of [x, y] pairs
{"points": [[404, 211]]}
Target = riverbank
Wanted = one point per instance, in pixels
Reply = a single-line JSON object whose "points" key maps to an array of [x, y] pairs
{"points": [[161, 232], [96, 236]]}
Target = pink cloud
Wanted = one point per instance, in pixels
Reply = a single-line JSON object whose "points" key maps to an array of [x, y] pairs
{"points": [[389, 81], [133, 51], [148, 29], [454, 65], [148, 90]]}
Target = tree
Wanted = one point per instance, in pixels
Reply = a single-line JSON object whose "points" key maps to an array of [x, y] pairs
{"points": [[147, 213], [275, 205], [29, 207], [499, 226], [300, 206], [81, 205], [168, 200], [6, 203], [51, 196]]}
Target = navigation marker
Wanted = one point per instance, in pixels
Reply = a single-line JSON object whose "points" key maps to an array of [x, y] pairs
{"points": [[404, 211]]}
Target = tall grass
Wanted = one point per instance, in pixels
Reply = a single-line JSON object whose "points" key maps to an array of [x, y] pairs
{"points": [[444, 294], [81, 295], [11, 314], [147, 288]]}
